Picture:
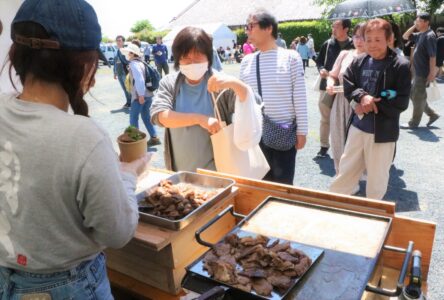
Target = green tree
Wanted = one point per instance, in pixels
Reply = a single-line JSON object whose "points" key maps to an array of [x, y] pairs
{"points": [[142, 25]]}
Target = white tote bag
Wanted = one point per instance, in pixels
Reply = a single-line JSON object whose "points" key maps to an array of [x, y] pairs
{"points": [[433, 93], [317, 84], [229, 158]]}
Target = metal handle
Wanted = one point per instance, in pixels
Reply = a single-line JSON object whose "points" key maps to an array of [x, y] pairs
{"points": [[215, 293], [230, 209], [402, 274]]}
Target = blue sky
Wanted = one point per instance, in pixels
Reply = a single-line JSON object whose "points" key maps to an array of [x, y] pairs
{"points": [[117, 17]]}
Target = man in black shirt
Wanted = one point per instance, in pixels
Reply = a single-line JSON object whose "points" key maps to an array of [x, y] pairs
{"points": [[424, 65], [327, 56]]}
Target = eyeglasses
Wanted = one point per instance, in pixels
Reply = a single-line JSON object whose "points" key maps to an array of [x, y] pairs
{"points": [[250, 26]]}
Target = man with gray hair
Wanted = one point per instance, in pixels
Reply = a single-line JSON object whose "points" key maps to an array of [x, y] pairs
{"points": [[277, 75]]}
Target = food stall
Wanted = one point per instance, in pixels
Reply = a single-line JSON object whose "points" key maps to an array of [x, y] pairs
{"points": [[358, 248]]}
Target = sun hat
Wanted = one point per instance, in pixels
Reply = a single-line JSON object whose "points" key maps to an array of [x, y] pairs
{"points": [[132, 48], [70, 24]]}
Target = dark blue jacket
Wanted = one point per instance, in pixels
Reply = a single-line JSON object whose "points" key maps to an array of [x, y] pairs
{"points": [[396, 76], [163, 58]]}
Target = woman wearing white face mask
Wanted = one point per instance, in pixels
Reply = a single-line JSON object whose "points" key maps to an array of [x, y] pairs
{"points": [[183, 104]]}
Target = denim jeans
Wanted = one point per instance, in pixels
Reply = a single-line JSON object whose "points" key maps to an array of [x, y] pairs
{"points": [[86, 281], [282, 164], [143, 110], [121, 79]]}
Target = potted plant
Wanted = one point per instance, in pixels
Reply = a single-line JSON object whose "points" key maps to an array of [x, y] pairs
{"points": [[132, 144]]}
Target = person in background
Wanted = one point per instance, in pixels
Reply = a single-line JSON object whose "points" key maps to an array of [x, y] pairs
{"points": [[120, 69], [67, 196], [424, 65], [341, 110], [248, 47], [140, 95], [374, 128], [221, 53], [280, 42], [238, 54], [440, 53], [183, 103], [303, 51], [160, 53], [395, 42], [283, 93], [147, 53], [311, 45], [325, 61], [228, 56], [294, 44]]}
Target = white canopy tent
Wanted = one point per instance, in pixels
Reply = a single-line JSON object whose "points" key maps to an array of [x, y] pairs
{"points": [[221, 33]]}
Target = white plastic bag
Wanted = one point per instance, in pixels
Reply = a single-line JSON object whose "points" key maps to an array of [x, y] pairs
{"points": [[317, 84], [247, 122], [228, 156], [433, 93]]}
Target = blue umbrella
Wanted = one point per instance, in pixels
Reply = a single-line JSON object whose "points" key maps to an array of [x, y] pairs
{"points": [[350, 9]]}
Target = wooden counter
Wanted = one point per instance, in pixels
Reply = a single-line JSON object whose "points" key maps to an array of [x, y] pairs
{"points": [[249, 194], [158, 256]]}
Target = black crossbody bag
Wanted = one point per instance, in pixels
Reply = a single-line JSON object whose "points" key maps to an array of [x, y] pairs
{"points": [[276, 136]]}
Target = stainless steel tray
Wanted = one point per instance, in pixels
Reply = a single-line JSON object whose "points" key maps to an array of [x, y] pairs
{"points": [[199, 180]]}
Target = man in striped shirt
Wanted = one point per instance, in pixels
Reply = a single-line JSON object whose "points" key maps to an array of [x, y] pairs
{"points": [[282, 87]]}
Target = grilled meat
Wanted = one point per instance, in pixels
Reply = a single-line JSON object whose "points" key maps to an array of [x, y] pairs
{"points": [[249, 263], [175, 201]]}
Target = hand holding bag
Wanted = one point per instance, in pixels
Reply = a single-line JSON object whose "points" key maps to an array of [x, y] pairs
{"points": [[228, 157], [433, 93]]}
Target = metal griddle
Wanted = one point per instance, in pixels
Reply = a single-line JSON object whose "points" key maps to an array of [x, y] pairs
{"points": [[342, 272], [199, 181]]}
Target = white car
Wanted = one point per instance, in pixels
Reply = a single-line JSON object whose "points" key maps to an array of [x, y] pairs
{"points": [[109, 51]]}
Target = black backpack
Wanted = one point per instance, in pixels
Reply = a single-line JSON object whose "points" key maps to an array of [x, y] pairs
{"points": [[152, 77]]}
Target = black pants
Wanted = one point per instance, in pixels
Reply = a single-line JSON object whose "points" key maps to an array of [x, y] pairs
{"points": [[163, 66], [305, 63], [282, 164]]}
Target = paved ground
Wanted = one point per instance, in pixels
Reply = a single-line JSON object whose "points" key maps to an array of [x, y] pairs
{"points": [[416, 177]]}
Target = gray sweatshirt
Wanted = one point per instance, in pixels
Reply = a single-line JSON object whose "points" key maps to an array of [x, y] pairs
{"points": [[63, 198]]}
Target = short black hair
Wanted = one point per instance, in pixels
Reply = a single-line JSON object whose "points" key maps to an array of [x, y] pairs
{"points": [[189, 39], [424, 16], [265, 20], [120, 37], [346, 23]]}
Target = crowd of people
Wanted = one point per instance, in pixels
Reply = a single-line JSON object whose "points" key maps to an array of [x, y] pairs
{"points": [[82, 191]]}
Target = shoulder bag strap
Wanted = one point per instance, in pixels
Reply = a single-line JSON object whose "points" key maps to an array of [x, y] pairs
{"points": [[326, 52], [258, 75]]}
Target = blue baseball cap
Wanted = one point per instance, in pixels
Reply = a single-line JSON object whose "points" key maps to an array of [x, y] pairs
{"points": [[70, 24]]}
